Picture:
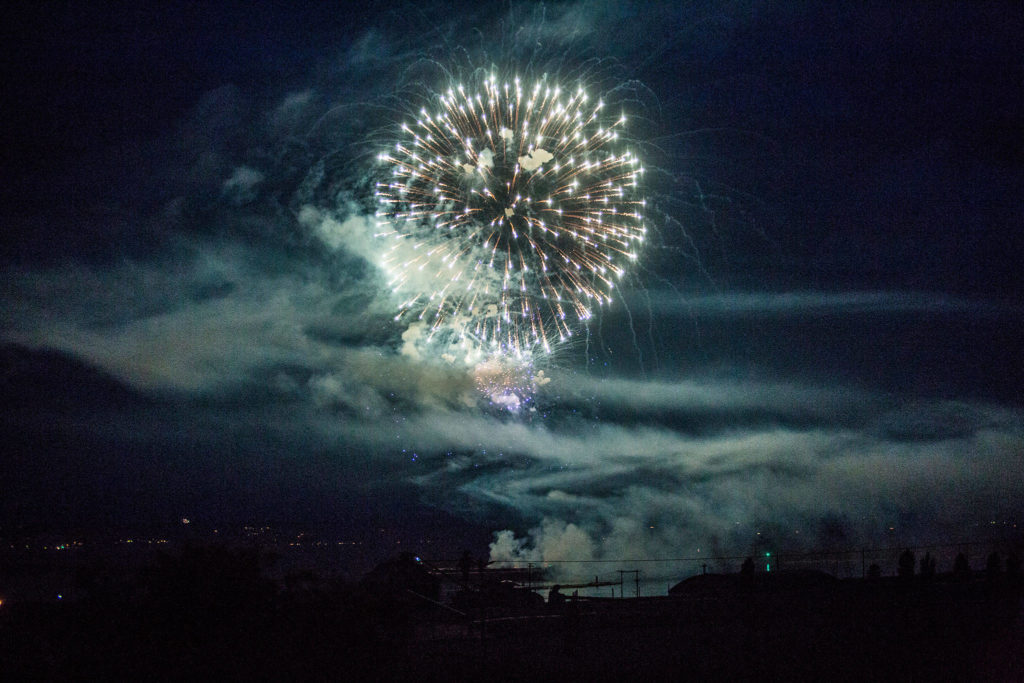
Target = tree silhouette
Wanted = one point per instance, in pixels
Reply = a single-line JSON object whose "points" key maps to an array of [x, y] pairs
{"points": [[961, 570], [747, 569], [927, 567], [906, 565], [993, 566]]}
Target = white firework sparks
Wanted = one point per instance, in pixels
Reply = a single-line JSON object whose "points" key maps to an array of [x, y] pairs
{"points": [[510, 213]]}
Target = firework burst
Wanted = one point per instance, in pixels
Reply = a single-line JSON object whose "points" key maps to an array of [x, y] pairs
{"points": [[509, 213]]}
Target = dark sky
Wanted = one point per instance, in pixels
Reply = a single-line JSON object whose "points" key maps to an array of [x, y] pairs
{"points": [[821, 343]]}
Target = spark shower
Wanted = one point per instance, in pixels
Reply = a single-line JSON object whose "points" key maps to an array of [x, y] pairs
{"points": [[508, 213]]}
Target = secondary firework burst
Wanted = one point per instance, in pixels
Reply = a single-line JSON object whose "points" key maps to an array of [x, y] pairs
{"points": [[506, 384], [509, 212]]}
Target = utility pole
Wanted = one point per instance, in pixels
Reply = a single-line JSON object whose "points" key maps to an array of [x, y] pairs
{"points": [[636, 575]]}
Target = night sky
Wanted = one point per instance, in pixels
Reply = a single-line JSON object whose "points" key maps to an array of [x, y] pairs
{"points": [[821, 344]]}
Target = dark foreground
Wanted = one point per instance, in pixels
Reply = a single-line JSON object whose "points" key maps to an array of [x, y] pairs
{"points": [[214, 617]]}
